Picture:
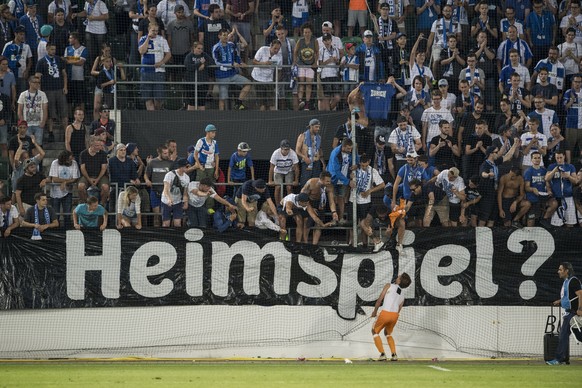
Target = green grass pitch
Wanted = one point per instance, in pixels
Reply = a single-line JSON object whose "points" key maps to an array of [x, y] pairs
{"points": [[293, 374]]}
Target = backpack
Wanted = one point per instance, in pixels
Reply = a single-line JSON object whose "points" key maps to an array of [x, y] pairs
{"points": [[176, 188]]}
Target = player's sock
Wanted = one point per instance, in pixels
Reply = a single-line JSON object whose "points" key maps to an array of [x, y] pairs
{"points": [[391, 344], [378, 343]]}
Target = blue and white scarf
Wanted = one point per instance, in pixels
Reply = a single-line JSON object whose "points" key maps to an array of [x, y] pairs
{"points": [[35, 232]]}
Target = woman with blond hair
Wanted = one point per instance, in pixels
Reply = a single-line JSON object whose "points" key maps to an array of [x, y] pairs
{"points": [[129, 208]]}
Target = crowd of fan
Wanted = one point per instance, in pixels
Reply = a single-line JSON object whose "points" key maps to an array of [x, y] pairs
{"points": [[479, 134]]}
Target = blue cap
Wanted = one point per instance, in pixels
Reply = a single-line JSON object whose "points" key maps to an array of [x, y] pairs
{"points": [[210, 128]]}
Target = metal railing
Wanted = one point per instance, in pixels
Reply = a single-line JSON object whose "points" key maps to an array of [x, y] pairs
{"points": [[277, 83]]}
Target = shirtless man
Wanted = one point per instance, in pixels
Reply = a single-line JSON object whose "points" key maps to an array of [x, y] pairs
{"points": [[510, 195], [320, 191], [309, 151]]}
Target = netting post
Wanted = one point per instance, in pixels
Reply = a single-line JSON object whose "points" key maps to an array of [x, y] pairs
{"points": [[354, 154]]}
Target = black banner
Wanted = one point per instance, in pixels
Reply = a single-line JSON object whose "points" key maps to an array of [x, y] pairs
{"points": [[156, 267]]}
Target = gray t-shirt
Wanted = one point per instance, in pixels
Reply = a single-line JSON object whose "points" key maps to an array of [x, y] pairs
{"points": [[180, 32], [156, 171]]}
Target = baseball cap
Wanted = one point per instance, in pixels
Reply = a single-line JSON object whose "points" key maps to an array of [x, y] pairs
{"points": [[285, 144], [104, 107], [46, 30], [368, 33], [302, 197], [381, 140], [400, 34], [178, 8], [259, 184], [384, 5], [243, 146], [443, 82], [120, 146], [190, 149], [327, 24], [19, 29], [412, 154], [454, 171], [314, 122], [31, 3], [130, 147], [22, 122], [181, 163], [28, 162], [349, 45], [210, 128], [326, 37]]}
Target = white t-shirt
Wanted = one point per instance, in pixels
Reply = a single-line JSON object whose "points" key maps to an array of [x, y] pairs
{"points": [[393, 299], [64, 172], [438, 29], [175, 194], [197, 200], [365, 180], [433, 117], [406, 139], [12, 215], [32, 106], [449, 102], [131, 209], [335, 42], [284, 164], [266, 74], [443, 182], [417, 70], [331, 69], [291, 198], [569, 64], [565, 22], [97, 9], [526, 138]]}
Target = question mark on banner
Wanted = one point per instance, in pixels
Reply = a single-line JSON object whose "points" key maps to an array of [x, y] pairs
{"points": [[528, 288]]}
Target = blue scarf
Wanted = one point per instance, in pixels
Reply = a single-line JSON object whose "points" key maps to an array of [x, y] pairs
{"points": [[495, 171], [312, 149], [508, 46], [35, 232]]}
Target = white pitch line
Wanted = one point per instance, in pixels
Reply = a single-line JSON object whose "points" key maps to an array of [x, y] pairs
{"points": [[439, 368]]}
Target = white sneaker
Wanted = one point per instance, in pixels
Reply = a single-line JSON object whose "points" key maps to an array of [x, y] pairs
{"points": [[382, 357], [378, 246]]}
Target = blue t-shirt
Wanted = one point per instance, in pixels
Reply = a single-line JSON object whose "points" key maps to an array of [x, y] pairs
{"points": [[89, 219], [428, 16], [377, 100], [561, 187], [537, 180], [238, 166], [407, 174]]}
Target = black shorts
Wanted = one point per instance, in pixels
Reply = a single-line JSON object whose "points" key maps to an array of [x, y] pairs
{"points": [[330, 89], [416, 211], [454, 211], [505, 205], [361, 210], [488, 208]]}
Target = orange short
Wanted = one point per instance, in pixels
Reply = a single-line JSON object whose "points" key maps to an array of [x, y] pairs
{"points": [[386, 320]]}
